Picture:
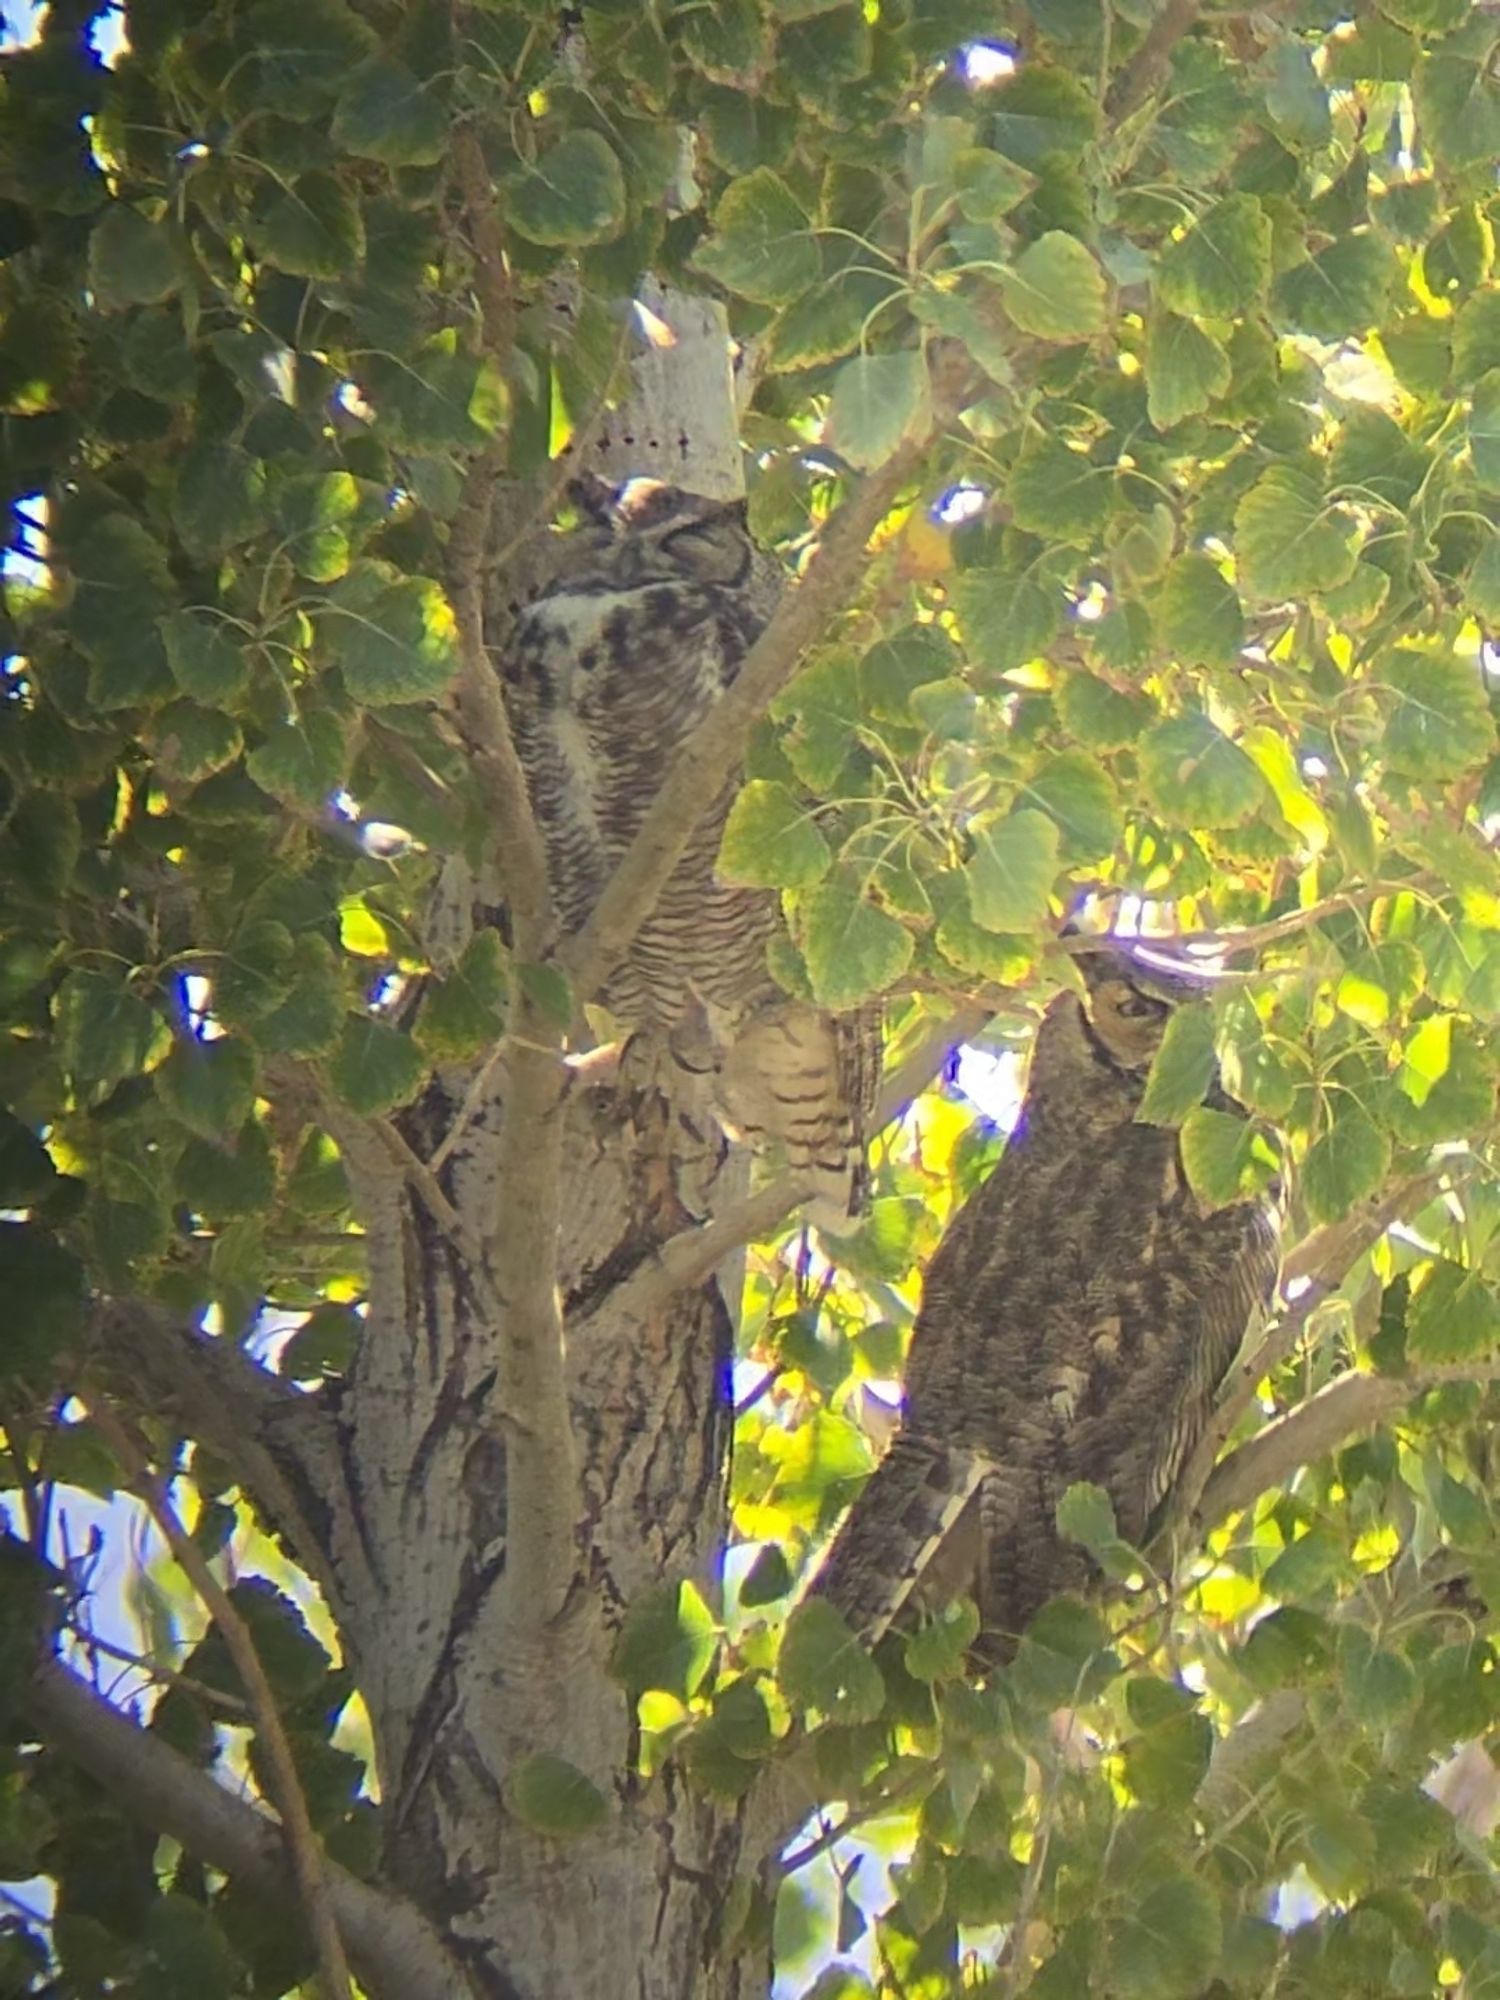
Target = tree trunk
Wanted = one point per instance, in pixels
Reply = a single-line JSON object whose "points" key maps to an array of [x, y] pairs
{"points": [[418, 1557]]}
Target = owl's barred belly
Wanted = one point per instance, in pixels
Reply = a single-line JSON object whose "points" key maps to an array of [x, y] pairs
{"points": [[654, 602]]}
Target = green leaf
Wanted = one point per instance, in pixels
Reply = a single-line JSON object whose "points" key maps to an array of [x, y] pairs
{"points": [[1170, 1944], [1454, 1316], [385, 113], [822, 1667], [1341, 292], [768, 1578], [667, 1641], [105, 1032], [984, 1888], [1012, 870], [315, 511], [132, 261], [1223, 263], [1347, 1163], [1057, 493], [894, 669], [45, 1291], [1198, 613], [1064, 1656], [394, 641], [463, 1014], [1098, 714], [209, 1086], [324, 1345], [313, 229], [987, 184], [771, 840], [553, 1797], [1484, 431], [218, 498], [26, 1169], [762, 247], [206, 655], [1186, 369], [1220, 1157], [574, 194], [1167, 1761], [308, 1013], [1379, 1686], [189, 743], [1291, 541], [1193, 775], [375, 1067], [1440, 723], [1086, 1515], [1042, 112], [939, 1649], [1055, 289], [852, 948], [439, 398], [1379, 982], [1296, 96], [878, 399], [301, 763], [1007, 617], [1079, 795], [1458, 103], [1182, 1068]]}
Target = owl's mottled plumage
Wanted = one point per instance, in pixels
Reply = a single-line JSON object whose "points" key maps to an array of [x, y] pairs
{"points": [[1076, 1323], [652, 604]]}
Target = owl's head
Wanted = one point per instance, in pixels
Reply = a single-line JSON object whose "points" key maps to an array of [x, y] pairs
{"points": [[644, 532], [1128, 1005]]}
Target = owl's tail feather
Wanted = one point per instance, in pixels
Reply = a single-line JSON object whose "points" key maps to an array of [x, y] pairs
{"points": [[912, 1536], [785, 1082]]}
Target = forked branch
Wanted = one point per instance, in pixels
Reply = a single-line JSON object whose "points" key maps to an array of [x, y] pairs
{"points": [[396, 1952]]}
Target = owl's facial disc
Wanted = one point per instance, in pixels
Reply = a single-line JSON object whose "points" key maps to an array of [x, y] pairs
{"points": [[1127, 1023]]}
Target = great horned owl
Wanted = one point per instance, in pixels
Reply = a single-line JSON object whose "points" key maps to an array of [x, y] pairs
{"points": [[651, 606], [1077, 1320]]}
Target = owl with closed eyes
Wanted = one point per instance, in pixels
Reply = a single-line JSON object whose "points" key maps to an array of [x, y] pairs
{"points": [[1077, 1321], [650, 607]]}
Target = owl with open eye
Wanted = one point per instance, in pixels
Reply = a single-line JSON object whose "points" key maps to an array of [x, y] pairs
{"points": [[1077, 1321], [650, 607]]}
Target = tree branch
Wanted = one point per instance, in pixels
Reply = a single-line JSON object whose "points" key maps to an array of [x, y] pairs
{"points": [[541, 1479], [279, 1443], [302, 1843], [1319, 1265], [689, 1257], [396, 1952], [1139, 77], [1340, 1409], [717, 746]]}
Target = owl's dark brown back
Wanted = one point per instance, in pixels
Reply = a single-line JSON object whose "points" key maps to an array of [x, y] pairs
{"points": [[1076, 1323]]}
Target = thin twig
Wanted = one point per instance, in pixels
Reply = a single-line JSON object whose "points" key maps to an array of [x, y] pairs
{"points": [[164, 1676], [491, 272], [688, 1258], [303, 1850], [1253, 936], [717, 746]]}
